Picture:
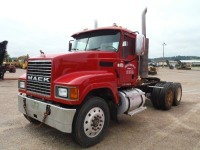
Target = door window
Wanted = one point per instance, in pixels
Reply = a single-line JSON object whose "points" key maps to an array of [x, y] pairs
{"points": [[128, 47]]}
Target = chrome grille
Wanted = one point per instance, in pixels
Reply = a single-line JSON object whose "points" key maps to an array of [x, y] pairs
{"points": [[39, 77]]}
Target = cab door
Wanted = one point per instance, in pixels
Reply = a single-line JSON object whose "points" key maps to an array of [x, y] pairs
{"points": [[128, 65]]}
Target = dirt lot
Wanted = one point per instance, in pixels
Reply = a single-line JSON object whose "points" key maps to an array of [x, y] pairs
{"points": [[178, 128]]}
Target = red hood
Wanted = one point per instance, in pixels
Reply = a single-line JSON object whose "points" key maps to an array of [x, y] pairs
{"points": [[48, 56], [63, 64]]}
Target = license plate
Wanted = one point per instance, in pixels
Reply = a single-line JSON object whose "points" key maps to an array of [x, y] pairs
{"points": [[35, 105]]}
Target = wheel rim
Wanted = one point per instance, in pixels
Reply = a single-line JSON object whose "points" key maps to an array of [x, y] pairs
{"points": [[94, 122], [179, 94], [170, 97]]}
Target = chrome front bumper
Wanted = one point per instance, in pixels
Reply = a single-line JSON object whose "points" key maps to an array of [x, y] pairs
{"points": [[59, 118]]}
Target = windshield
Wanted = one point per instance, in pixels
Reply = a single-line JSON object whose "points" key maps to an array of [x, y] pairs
{"points": [[105, 40]]}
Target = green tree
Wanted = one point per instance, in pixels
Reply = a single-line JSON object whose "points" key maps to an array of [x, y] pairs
{"points": [[6, 56]]}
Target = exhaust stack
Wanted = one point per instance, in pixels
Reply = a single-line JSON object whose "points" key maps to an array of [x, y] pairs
{"points": [[95, 24], [144, 22], [143, 60]]}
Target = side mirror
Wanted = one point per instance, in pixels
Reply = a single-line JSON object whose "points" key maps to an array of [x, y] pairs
{"points": [[70, 45], [140, 44]]}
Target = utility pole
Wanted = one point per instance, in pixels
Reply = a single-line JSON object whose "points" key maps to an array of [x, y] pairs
{"points": [[164, 44]]}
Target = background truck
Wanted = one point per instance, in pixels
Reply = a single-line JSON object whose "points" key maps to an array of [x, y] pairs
{"points": [[182, 66], [104, 75], [10, 67]]}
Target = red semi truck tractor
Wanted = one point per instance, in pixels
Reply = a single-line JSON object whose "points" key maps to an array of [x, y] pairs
{"points": [[104, 75]]}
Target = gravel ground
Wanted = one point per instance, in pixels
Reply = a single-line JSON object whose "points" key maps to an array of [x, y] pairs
{"points": [[178, 128]]}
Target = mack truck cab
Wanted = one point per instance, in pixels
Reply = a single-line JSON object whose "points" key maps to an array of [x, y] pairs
{"points": [[104, 75]]}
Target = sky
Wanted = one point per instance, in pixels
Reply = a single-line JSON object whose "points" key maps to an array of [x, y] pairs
{"points": [[33, 25]]}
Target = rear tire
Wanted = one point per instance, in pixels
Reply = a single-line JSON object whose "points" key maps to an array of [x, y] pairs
{"points": [[166, 96], [155, 99], [177, 93], [91, 122], [155, 96]]}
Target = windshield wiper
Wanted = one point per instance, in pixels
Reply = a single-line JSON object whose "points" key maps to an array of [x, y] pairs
{"points": [[75, 49], [96, 48]]}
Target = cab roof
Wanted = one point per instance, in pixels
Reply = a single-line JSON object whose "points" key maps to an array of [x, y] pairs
{"points": [[105, 28]]}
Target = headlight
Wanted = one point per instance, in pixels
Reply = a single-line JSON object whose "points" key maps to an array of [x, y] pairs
{"points": [[62, 92], [70, 93], [21, 84]]}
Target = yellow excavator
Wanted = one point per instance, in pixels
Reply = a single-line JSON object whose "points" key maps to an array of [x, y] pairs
{"points": [[21, 61]]}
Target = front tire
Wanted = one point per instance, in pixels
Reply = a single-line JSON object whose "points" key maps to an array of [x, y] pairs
{"points": [[91, 122]]}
